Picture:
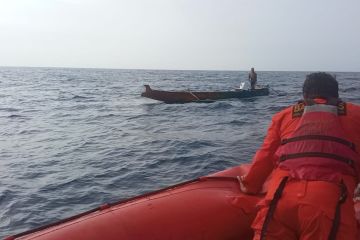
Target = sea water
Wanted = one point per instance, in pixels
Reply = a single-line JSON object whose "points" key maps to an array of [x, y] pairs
{"points": [[73, 139]]}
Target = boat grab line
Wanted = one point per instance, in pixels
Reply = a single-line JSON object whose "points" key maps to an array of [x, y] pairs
{"points": [[193, 95]]}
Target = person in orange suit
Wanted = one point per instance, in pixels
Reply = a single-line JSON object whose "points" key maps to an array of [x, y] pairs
{"points": [[310, 157]]}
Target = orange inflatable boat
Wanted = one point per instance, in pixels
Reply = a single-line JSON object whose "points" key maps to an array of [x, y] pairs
{"points": [[210, 207]]}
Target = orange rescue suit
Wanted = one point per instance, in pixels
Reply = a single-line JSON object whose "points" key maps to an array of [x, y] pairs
{"points": [[305, 200]]}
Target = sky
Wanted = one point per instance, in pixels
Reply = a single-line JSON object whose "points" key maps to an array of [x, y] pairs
{"points": [[270, 35]]}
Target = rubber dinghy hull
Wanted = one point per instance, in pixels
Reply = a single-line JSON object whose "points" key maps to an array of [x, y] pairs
{"points": [[211, 207]]}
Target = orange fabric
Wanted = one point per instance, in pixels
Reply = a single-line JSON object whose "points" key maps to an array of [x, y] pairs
{"points": [[306, 209], [298, 216], [279, 174], [282, 126]]}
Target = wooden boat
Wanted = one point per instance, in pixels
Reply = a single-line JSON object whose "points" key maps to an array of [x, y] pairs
{"points": [[210, 207], [190, 96]]}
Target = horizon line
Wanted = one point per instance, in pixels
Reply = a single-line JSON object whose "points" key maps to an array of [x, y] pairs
{"points": [[164, 69]]}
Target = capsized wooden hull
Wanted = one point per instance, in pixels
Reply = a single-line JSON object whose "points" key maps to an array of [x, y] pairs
{"points": [[189, 96], [210, 207]]}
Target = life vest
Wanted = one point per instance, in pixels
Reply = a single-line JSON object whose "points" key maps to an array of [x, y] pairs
{"points": [[318, 149]]}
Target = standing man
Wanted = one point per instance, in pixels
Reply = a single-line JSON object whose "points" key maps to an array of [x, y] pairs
{"points": [[311, 151], [252, 78]]}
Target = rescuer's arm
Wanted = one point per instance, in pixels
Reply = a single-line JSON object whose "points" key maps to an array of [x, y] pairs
{"points": [[348, 122], [264, 160]]}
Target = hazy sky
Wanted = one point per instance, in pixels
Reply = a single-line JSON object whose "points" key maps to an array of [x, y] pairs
{"points": [[294, 35]]}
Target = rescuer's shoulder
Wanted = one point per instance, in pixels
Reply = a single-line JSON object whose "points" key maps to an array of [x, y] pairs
{"points": [[352, 108], [288, 112]]}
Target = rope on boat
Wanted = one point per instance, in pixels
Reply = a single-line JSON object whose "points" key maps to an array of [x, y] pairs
{"points": [[193, 95], [275, 91]]}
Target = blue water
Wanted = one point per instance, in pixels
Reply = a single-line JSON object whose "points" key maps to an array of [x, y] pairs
{"points": [[72, 139]]}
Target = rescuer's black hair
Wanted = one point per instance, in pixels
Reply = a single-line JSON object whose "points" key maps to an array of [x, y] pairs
{"points": [[320, 85]]}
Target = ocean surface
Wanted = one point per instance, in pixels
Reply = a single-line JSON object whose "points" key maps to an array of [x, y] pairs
{"points": [[73, 139]]}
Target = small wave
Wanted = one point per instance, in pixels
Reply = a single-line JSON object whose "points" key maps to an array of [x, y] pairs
{"points": [[351, 78], [16, 116], [81, 107], [110, 115], [9, 109], [220, 105], [194, 144], [237, 122], [33, 175], [79, 97], [7, 195], [28, 132], [70, 97], [350, 89], [68, 183], [62, 98], [352, 99]]}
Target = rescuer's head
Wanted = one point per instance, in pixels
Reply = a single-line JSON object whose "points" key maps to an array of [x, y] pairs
{"points": [[320, 85]]}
